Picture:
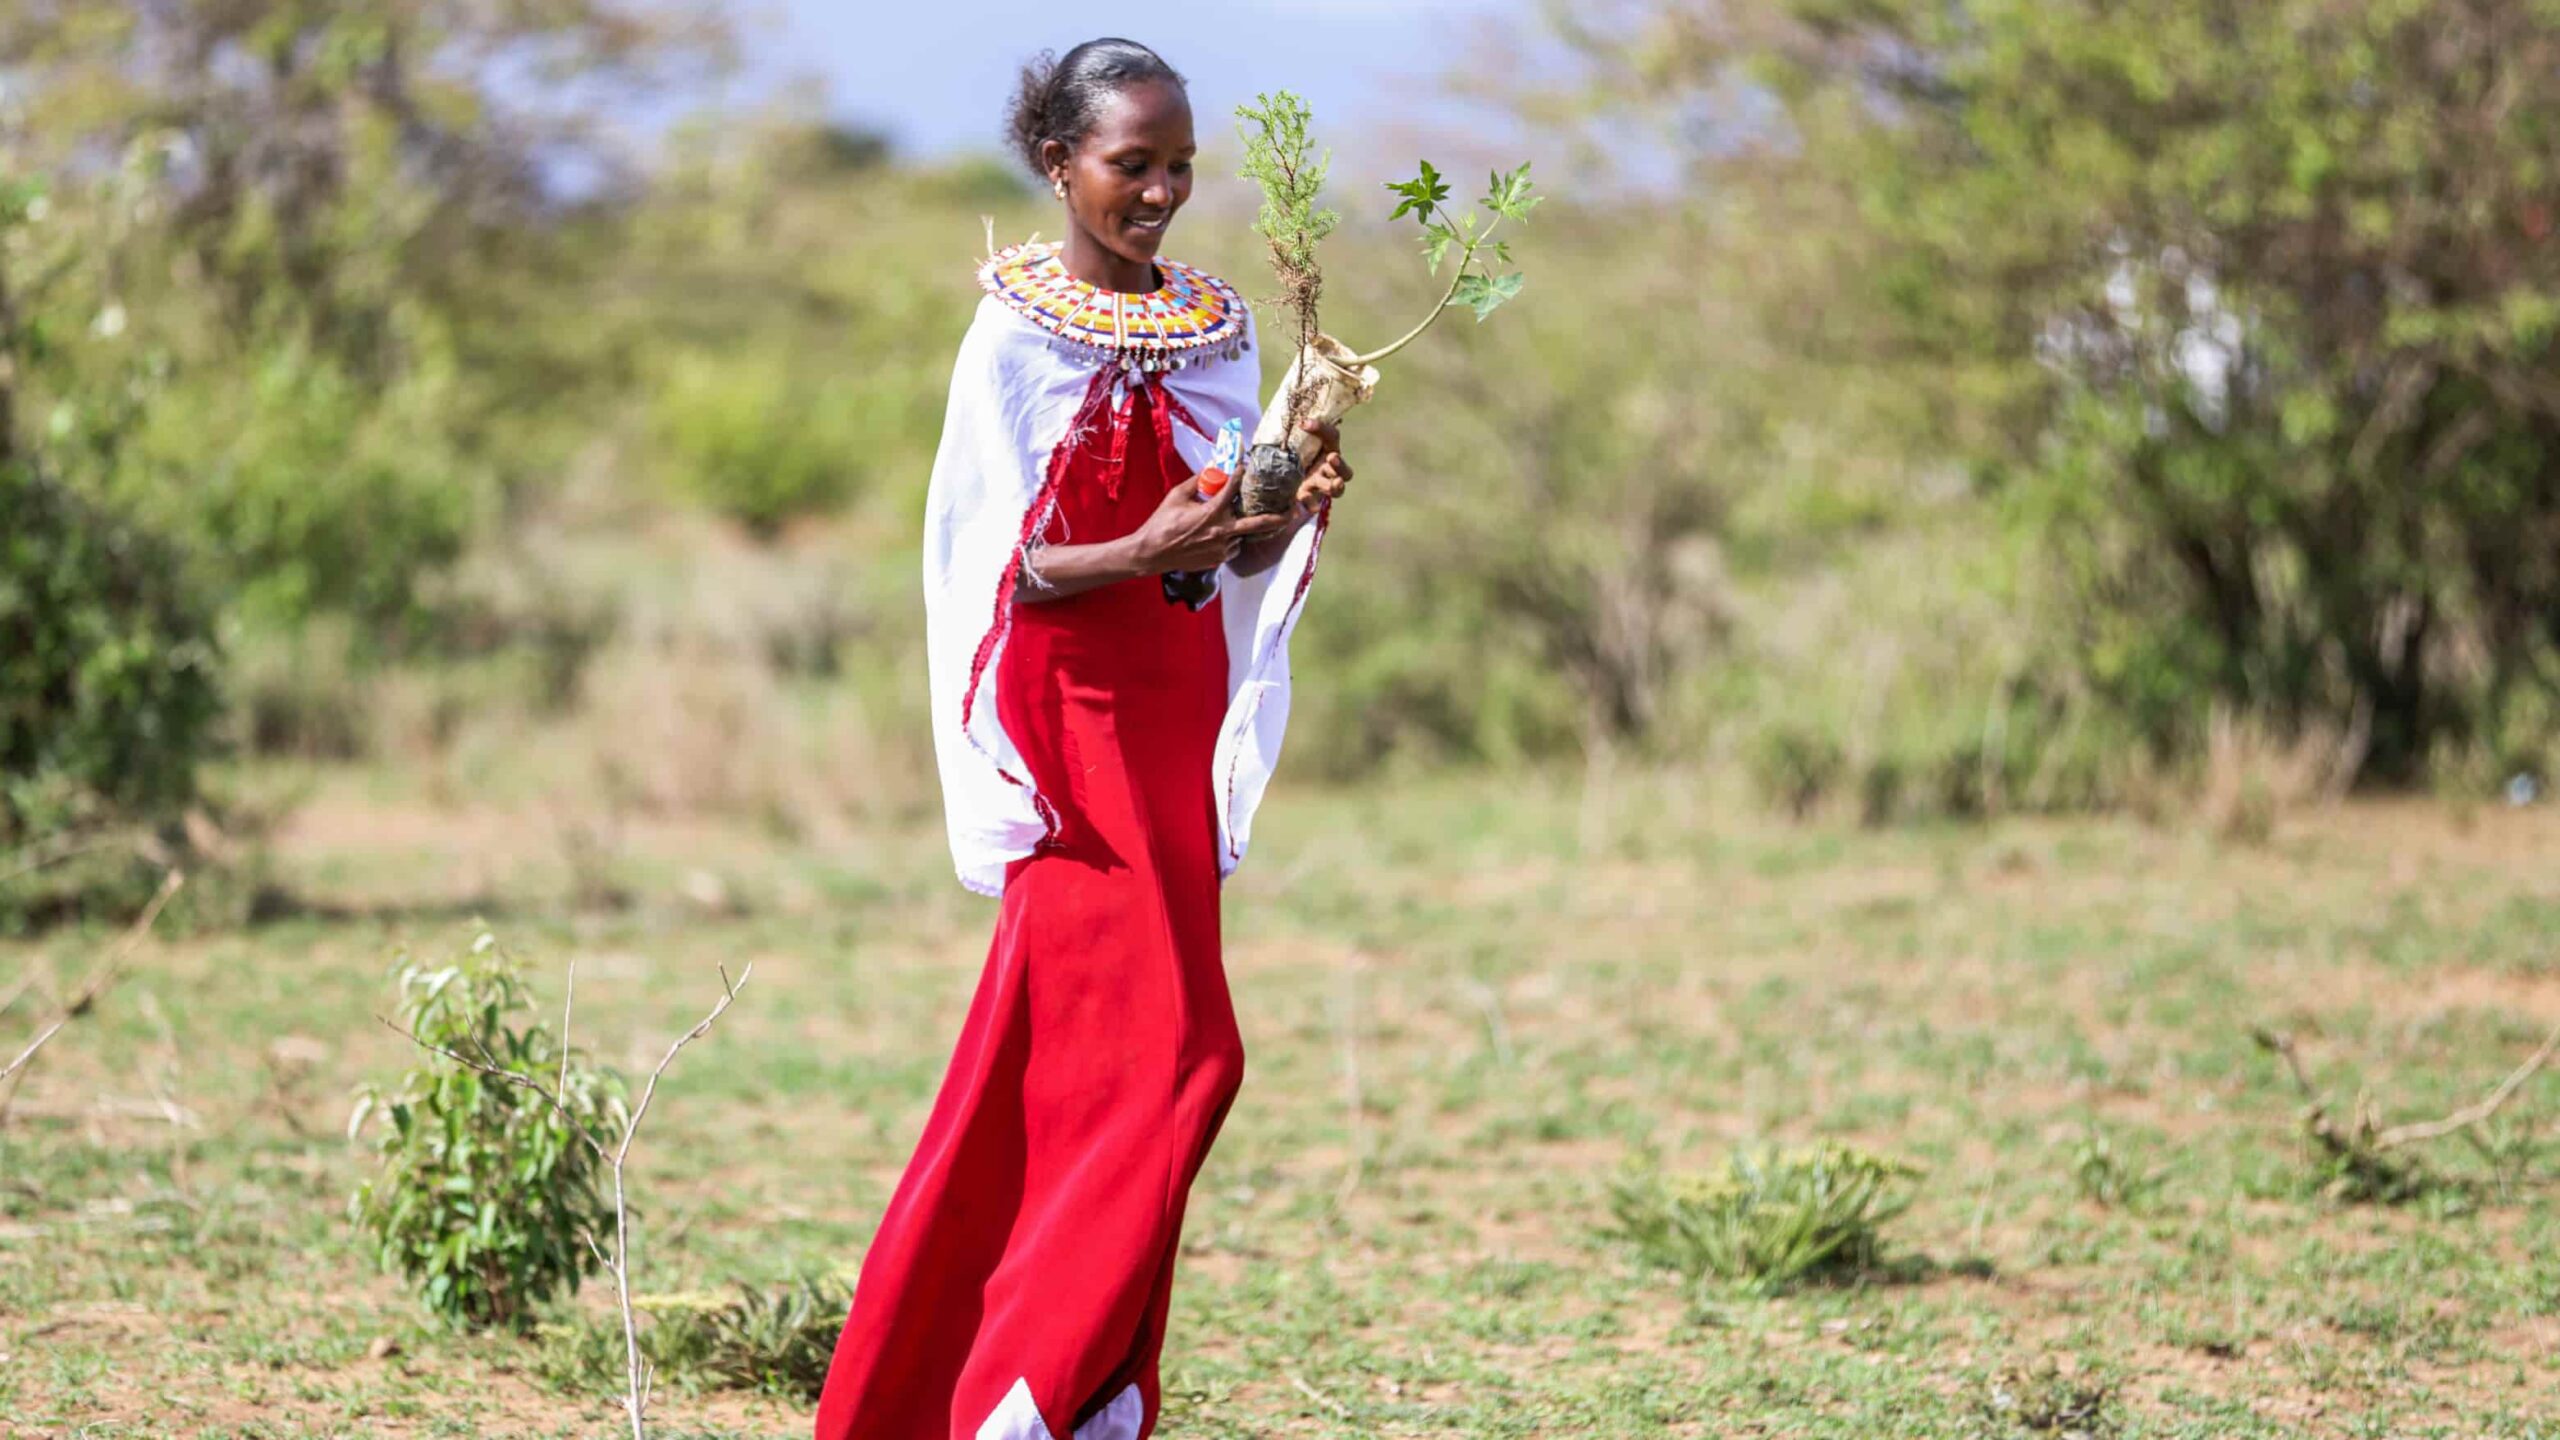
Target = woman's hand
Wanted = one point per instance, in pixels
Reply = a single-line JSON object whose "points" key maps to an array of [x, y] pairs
{"points": [[1325, 481], [1330, 475], [1187, 532]]}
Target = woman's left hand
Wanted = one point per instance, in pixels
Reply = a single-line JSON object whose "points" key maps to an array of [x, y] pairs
{"points": [[1330, 475]]}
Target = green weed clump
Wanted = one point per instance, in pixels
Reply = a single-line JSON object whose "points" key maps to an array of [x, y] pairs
{"points": [[488, 1198], [775, 1341], [2108, 1176], [1775, 1218]]}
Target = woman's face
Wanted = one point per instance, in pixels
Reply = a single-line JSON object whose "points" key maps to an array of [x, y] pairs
{"points": [[1126, 179]]}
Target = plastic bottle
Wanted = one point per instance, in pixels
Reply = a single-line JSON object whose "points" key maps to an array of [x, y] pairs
{"points": [[1195, 587]]}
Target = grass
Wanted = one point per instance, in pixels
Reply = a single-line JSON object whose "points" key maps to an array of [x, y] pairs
{"points": [[1466, 1003]]}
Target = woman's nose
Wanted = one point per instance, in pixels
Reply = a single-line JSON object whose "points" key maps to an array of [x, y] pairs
{"points": [[1159, 189]]}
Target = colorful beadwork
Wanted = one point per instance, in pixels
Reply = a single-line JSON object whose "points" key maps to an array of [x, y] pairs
{"points": [[1194, 316]]}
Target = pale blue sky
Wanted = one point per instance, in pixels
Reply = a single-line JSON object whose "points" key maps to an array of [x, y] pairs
{"points": [[935, 75]]}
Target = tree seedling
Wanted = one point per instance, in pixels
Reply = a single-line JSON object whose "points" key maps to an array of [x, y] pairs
{"points": [[1326, 377]]}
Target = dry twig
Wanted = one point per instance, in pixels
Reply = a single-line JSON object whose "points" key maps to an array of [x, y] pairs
{"points": [[30, 1052], [2363, 1146], [105, 975], [99, 980]]}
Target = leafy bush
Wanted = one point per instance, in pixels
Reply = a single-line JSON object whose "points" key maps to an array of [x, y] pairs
{"points": [[1774, 1218], [487, 1198], [109, 688], [776, 1340], [758, 441], [316, 490]]}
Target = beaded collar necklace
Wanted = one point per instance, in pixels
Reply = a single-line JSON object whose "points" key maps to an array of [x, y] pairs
{"points": [[1193, 317]]}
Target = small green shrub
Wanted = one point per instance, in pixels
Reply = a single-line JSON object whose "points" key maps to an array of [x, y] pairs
{"points": [[1774, 1218], [775, 1341], [487, 1197], [109, 683]]}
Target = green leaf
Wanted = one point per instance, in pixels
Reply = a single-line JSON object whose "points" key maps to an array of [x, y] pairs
{"points": [[1486, 294], [1436, 240], [1422, 194], [1508, 195]]}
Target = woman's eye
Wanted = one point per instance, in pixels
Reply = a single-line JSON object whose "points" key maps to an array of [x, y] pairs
{"points": [[1132, 168], [1181, 167]]}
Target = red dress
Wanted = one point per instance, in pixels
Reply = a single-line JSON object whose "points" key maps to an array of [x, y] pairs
{"points": [[1025, 1263]]}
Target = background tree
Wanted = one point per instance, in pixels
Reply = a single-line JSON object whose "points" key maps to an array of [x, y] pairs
{"points": [[2247, 308], [351, 279]]}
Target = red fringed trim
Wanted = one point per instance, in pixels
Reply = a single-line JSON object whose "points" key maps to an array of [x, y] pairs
{"points": [[1097, 397], [1118, 460], [1297, 597], [1163, 409], [1170, 407]]}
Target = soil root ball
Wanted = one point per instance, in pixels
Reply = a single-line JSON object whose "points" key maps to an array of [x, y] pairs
{"points": [[1271, 476]]}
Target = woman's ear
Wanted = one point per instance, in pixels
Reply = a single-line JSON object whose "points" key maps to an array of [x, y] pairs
{"points": [[1053, 161]]}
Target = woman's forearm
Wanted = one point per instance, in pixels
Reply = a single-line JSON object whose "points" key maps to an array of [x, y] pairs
{"points": [[1054, 572]]}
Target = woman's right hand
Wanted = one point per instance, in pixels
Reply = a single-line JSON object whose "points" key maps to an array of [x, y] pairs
{"points": [[1187, 532]]}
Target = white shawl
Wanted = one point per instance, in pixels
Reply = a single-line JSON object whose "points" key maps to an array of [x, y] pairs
{"points": [[1013, 394]]}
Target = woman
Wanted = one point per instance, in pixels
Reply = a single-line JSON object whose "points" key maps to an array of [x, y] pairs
{"points": [[1103, 744]]}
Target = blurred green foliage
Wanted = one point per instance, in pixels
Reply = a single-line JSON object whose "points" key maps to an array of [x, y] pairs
{"points": [[757, 439], [2253, 307], [2007, 393], [108, 691]]}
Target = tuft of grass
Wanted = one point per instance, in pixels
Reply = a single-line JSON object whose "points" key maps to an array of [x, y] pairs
{"points": [[2107, 1176], [1774, 1219], [770, 1341]]}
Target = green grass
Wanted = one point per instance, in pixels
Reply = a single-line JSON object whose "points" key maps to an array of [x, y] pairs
{"points": [[1466, 1002]]}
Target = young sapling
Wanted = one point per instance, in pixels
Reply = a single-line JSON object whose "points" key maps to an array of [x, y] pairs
{"points": [[1325, 377]]}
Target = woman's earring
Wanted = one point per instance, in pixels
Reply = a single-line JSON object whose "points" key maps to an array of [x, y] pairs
{"points": [[1058, 188]]}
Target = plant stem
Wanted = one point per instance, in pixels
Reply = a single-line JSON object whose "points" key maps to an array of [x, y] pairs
{"points": [[1466, 258]]}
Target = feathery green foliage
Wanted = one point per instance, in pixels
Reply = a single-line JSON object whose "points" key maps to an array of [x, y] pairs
{"points": [[1281, 157]]}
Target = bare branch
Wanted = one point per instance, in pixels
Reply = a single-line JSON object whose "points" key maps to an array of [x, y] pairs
{"points": [[566, 1002], [2282, 1045], [106, 974], [30, 1052], [728, 995], [500, 1072], [60, 848], [2471, 1115]]}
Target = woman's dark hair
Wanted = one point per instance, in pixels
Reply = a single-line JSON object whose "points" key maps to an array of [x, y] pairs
{"points": [[1060, 95]]}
